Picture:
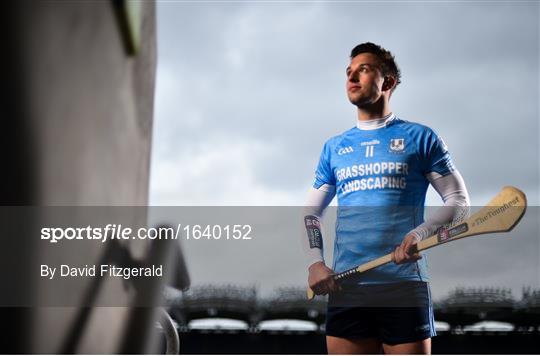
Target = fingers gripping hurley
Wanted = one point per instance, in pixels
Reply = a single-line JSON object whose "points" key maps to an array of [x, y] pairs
{"points": [[501, 214]]}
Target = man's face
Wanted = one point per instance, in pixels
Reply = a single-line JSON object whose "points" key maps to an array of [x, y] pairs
{"points": [[364, 80]]}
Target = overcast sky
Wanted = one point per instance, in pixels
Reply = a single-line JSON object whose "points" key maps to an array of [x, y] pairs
{"points": [[247, 93]]}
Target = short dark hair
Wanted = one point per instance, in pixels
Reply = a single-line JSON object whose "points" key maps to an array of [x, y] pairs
{"points": [[386, 59]]}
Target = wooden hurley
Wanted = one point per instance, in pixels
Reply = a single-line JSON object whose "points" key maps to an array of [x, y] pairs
{"points": [[501, 214]]}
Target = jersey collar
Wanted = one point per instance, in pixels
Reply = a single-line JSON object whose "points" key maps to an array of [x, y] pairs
{"points": [[375, 124]]}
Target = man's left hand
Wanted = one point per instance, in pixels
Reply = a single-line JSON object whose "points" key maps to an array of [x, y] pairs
{"points": [[406, 252]]}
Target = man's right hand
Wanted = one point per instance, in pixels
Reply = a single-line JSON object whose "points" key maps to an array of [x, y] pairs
{"points": [[321, 279]]}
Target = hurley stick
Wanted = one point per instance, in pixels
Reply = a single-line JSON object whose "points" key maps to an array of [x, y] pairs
{"points": [[501, 214]]}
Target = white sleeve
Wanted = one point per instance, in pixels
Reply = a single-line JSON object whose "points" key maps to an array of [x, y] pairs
{"points": [[453, 192], [317, 201]]}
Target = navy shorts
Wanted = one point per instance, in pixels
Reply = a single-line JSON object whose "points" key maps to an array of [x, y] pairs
{"points": [[395, 313]]}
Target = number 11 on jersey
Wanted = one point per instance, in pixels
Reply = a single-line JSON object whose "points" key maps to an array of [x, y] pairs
{"points": [[369, 150]]}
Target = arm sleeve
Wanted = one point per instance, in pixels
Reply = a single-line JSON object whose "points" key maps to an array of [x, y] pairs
{"points": [[453, 192], [317, 201]]}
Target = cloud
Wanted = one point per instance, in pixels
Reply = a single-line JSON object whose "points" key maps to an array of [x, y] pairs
{"points": [[217, 172], [274, 73]]}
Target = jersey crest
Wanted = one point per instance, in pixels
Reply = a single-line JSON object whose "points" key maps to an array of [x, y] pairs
{"points": [[397, 144]]}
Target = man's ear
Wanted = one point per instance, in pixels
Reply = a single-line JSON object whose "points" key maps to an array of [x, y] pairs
{"points": [[388, 83]]}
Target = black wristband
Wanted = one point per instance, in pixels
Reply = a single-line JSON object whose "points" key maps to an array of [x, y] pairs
{"points": [[313, 228]]}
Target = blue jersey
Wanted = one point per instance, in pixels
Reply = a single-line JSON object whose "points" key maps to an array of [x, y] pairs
{"points": [[380, 181]]}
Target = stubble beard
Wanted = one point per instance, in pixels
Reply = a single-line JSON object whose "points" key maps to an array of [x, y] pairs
{"points": [[360, 101], [364, 100]]}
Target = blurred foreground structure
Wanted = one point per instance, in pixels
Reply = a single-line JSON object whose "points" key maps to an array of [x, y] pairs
{"points": [[78, 96]]}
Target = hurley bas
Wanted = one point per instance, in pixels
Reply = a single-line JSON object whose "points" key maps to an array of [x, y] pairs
{"points": [[102, 271]]}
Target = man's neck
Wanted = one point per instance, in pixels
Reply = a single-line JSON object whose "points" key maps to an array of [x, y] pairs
{"points": [[379, 109], [364, 115]]}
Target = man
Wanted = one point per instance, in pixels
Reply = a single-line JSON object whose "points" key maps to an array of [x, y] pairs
{"points": [[380, 170]]}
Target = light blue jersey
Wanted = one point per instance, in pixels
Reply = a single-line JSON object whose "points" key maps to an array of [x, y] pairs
{"points": [[381, 184]]}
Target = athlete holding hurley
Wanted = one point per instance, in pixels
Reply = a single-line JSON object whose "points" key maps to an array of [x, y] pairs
{"points": [[380, 170]]}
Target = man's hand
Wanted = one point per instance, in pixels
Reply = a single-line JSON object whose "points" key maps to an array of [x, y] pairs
{"points": [[321, 279], [406, 252]]}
